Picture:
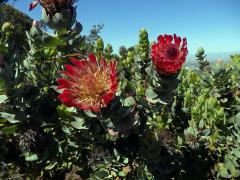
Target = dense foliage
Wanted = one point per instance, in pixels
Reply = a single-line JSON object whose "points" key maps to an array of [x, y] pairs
{"points": [[21, 22], [73, 110]]}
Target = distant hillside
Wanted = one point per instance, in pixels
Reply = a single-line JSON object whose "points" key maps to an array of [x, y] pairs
{"points": [[211, 57]]}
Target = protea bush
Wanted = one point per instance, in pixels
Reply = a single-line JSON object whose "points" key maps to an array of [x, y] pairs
{"points": [[66, 113]]}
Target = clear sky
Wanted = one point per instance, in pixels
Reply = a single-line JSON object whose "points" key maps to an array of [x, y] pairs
{"points": [[213, 24]]}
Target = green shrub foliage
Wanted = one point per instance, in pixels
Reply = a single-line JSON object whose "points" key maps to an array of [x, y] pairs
{"points": [[181, 126]]}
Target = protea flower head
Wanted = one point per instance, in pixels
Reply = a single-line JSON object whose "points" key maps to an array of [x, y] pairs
{"points": [[169, 53], [87, 84], [53, 6]]}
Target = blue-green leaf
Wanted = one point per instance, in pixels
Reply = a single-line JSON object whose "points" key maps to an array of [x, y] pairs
{"points": [[90, 114], [3, 98], [9, 130], [79, 123], [31, 157], [129, 101], [8, 117]]}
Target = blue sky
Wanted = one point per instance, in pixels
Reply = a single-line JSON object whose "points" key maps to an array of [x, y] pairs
{"points": [[213, 24]]}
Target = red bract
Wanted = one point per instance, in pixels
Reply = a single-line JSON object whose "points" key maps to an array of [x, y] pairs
{"points": [[52, 6], [87, 84], [169, 54], [33, 5]]}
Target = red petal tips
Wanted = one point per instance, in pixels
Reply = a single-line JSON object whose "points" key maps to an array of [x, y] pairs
{"points": [[33, 5]]}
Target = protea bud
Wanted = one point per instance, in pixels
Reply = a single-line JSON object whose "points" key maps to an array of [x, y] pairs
{"points": [[108, 51], [59, 15], [200, 52], [7, 26], [143, 47], [53, 6], [99, 46], [201, 57], [130, 59], [123, 52]]}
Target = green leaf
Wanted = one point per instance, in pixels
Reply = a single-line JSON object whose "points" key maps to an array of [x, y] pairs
{"points": [[236, 152], [190, 131], [30, 157], [122, 174], [66, 130], [55, 88], [129, 101], [50, 166], [3, 98], [238, 119], [149, 93], [201, 124], [9, 117], [141, 174], [102, 174], [3, 49], [180, 140], [9, 130], [100, 166], [231, 167], [79, 123], [125, 161], [90, 114], [152, 97], [3, 120], [107, 123], [206, 132], [224, 173], [72, 143], [2, 83], [116, 153]]}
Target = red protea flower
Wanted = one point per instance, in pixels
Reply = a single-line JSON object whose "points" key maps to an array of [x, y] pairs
{"points": [[167, 55], [88, 85]]}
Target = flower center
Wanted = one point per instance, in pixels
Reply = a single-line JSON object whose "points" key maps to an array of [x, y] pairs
{"points": [[172, 52], [92, 86]]}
